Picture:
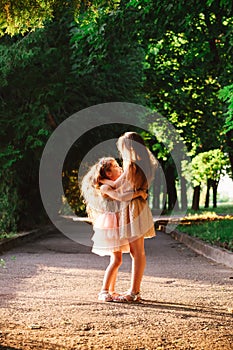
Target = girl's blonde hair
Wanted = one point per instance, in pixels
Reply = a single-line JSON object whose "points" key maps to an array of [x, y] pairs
{"points": [[142, 163], [90, 186]]}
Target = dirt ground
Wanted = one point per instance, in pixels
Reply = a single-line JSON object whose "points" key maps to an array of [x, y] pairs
{"points": [[48, 299]]}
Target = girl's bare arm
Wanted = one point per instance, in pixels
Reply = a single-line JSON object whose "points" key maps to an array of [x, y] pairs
{"points": [[121, 179], [122, 196]]}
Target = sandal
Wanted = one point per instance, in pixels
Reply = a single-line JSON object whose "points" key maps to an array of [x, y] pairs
{"points": [[114, 294], [128, 297], [105, 296]]}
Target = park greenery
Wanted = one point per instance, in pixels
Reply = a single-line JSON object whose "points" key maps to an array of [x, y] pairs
{"points": [[58, 57], [211, 228]]}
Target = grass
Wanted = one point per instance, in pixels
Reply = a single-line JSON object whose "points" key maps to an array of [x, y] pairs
{"points": [[220, 210], [210, 227], [7, 235]]}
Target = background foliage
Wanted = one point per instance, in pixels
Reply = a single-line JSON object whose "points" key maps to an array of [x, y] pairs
{"points": [[60, 57]]}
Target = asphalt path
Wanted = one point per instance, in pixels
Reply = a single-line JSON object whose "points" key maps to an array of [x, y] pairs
{"points": [[49, 293]]}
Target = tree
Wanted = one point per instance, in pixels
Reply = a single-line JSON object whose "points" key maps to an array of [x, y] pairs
{"points": [[35, 73], [46, 78], [189, 58], [226, 94], [60, 57], [207, 168], [21, 17], [187, 64], [107, 63]]}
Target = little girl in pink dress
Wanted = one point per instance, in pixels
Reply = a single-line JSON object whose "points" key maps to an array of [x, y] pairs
{"points": [[104, 206]]}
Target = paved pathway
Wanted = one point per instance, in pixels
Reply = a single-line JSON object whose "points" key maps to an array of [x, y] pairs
{"points": [[48, 298]]}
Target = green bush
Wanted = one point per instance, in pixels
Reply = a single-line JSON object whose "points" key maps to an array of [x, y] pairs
{"points": [[73, 200], [9, 204]]}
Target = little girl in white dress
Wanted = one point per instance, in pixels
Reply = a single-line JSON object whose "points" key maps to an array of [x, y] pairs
{"points": [[135, 218]]}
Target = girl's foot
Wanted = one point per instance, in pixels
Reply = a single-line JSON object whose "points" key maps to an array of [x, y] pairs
{"points": [[114, 294], [105, 296], [128, 297]]}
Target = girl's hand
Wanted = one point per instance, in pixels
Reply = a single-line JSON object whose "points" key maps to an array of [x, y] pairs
{"points": [[143, 194], [107, 182]]}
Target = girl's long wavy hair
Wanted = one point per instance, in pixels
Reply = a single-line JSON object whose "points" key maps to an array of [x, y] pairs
{"points": [[90, 186], [142, 163]]}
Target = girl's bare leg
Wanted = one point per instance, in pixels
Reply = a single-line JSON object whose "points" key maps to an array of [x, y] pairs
{"points": [[113, 281], [137, 251], [111, 272]]}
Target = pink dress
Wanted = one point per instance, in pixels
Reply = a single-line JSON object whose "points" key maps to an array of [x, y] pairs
{"points": [[106, 238]]}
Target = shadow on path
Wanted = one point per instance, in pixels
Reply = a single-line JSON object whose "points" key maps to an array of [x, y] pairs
{"points": [[185, 308], [8, 348]]}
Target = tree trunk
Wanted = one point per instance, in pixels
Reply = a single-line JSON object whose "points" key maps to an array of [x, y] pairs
{"points": [[215, 187], [196, 197], [157, 190], [164, 200], [171, 189], [163, 189], [207, 197], [229, 139], [184, 201]]}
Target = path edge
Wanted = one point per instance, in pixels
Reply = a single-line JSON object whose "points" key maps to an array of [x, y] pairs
{"points": [[23, 237], [216, 254]]}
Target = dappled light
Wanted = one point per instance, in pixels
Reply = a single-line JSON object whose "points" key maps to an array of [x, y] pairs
{"points": [[74, 77]]}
